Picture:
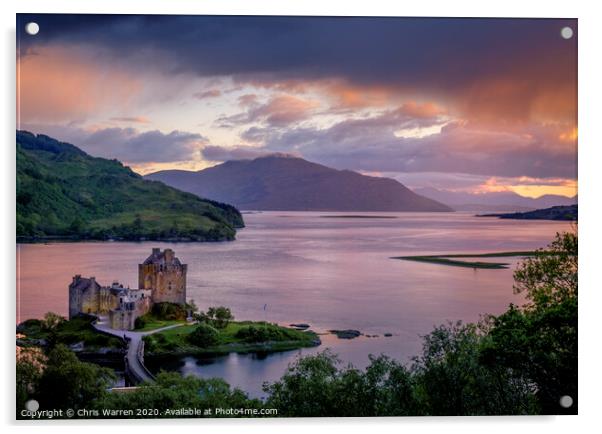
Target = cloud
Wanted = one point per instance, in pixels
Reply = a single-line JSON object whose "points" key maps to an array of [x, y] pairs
{"points": [[247, 100], [131, 119], [57, 85], [481, 97], [426, 110], [129, 145], [220, 153], [440, 56], [278, 111], [372, 145], [211, 93]]}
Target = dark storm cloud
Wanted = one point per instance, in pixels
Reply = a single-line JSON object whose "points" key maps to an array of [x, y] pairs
{"points": [[443, 53]]}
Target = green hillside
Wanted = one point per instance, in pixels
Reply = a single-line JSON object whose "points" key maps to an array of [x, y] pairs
{"points": [[62, 192]]}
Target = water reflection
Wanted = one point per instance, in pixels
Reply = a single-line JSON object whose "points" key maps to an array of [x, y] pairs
{"points": [[328, 272]]}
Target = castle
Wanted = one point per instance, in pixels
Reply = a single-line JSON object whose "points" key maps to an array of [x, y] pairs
{"points": [[161, 278]]}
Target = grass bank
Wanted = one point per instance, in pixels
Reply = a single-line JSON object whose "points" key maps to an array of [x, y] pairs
{"points": [[151, 322], [238, 336]]}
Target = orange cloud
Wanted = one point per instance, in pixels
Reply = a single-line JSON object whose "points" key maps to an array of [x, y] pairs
{"points": [[150, 167], [131, 119], [349, 96], [284, 109], [56, 84], [568, 136], [530, 187], [423, 111], [518, 100]]}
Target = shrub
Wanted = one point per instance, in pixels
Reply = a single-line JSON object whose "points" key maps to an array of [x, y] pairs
{"points": [[204, 336], [140, 322], [169, 311], [265, 333]]}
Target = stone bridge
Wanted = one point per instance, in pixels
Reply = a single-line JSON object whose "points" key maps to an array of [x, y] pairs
{"points": [[134, 359]]}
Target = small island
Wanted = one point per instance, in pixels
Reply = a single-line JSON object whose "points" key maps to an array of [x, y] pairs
{"points": [[566, 213], [454, 259], [207, 337]]}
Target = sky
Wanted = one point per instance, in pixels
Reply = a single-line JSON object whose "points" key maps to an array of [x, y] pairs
{"points": [[471, 105]]}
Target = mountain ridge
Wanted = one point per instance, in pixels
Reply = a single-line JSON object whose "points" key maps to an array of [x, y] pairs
{"points": [[62, 192], [290, 183], [494, 201]]}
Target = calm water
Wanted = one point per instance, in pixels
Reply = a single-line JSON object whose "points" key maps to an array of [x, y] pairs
{"points": [[328, 272]]}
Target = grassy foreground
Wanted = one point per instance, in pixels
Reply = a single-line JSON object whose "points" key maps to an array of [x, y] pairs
{"points": [[445, 259], [235, 337]]}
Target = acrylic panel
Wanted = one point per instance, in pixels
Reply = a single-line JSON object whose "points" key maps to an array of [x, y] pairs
{"points": [[288, 216]]}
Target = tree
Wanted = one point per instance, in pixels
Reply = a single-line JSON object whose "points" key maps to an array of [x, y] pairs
{"points": [[451, 378], [173, 391], [137, 226], [77, 226], [317, 386], [191, 306], [550, 278], [52, 321], [223, 316], [50, 324], [29, 369], [539, 341], [219, 316], [68, 383], [204, 336]]}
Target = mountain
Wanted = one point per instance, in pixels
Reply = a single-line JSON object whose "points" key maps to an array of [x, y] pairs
{"points": [[554, 213], [285, 183], [494, 201], [64, 192]]}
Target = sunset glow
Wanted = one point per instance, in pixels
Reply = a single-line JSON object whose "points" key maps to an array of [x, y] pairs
{"points": [[166, 100]]}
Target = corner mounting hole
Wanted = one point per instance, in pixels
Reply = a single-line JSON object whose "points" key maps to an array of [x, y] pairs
{"points": [[32, 28], [566, 401], [566, 32]]}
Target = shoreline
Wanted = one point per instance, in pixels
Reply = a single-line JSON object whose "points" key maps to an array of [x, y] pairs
{"points": [[221, 350], [69, 240]]}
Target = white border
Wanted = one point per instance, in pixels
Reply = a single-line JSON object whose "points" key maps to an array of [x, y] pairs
{"points": [[590, 165]]}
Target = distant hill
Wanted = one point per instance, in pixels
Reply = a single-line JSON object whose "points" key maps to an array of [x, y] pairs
{"points": [[64, 192], [553, 213], [494, 201], [285, 183]]}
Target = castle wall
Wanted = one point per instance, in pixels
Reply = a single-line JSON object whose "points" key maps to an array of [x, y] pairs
{"points": [[168, 282], [75, 305], [122, 319], [107, 301], [89, 300]]}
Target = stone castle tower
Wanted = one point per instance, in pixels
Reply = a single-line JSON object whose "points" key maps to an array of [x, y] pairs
{"points": [[164, 275]]}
